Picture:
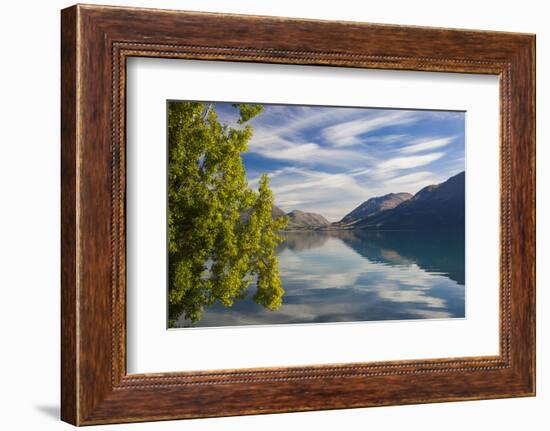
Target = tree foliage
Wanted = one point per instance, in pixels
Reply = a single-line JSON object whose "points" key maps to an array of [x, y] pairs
{"points": [[214, 251]]}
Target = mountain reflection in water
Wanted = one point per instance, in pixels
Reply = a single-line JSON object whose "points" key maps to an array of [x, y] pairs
{"points": [[358, 275]]}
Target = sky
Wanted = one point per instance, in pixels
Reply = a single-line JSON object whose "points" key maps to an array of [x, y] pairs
{"points": [[329, 160]]}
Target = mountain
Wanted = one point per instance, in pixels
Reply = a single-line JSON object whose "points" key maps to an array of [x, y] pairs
{"points": [[374, 206], [277, 212], [297, 220], [300, 220], [437, 206]]}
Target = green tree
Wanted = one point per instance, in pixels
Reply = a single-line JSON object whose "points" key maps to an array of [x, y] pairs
{"points": [[220, 232]]}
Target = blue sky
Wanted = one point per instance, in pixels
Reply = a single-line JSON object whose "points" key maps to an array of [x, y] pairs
{"points": [[329, 160]]}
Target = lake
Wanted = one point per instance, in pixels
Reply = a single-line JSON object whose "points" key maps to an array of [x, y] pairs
{"points": [[358, 275]]}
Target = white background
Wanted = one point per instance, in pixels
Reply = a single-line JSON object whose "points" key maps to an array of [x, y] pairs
{"points": [[29, 227], [151, 348]]}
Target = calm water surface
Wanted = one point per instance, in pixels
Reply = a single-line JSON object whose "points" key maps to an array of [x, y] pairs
{"points": [[345, 276]]}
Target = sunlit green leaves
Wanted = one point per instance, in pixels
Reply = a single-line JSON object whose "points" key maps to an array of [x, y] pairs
{"points": [[214, 253]]}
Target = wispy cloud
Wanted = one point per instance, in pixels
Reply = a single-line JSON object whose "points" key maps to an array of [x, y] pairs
{"points": [[384, 170], [348, 133], [420, 145], [307, 153], [385, 139], [399, 163], [413, 178], [275, 146], [329, 160]]}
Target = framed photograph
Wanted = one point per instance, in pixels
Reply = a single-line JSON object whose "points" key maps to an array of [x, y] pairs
{"points": [[265, 215]]}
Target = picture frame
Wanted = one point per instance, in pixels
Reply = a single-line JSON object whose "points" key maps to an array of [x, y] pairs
{"points": [[96, 42]]}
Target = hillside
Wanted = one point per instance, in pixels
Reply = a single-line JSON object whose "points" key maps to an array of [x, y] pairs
{"points": [[434, 207], [375, 206], [301, 220]]}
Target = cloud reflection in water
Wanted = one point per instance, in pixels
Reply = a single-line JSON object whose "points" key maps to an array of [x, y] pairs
{"points": [[346, 276]]}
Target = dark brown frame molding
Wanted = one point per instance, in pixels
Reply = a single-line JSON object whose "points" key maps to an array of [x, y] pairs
{"points": [[95, 43]]}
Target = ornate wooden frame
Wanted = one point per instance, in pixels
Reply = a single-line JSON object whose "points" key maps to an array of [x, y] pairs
{"points": [[95, 43]]}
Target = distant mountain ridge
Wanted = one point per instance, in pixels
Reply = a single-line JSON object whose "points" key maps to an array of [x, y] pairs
{"points": [[298, 220], [438, 206], [375, 205], [277, 212]]}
